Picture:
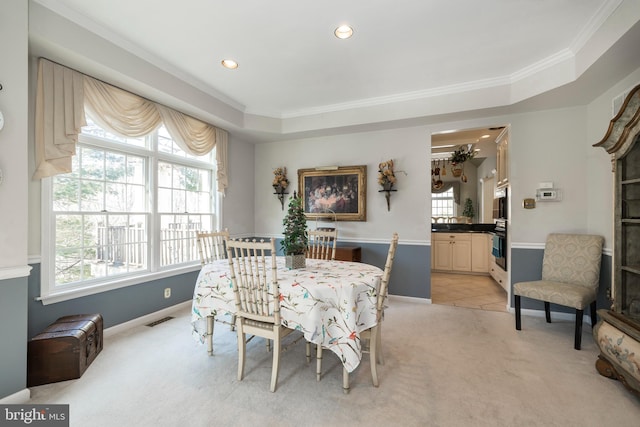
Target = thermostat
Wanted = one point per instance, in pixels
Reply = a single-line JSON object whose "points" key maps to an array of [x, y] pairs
{"points": [[547, 195]]}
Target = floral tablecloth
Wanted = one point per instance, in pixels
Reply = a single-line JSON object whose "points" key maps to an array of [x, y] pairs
{"points": [[331, 302]]}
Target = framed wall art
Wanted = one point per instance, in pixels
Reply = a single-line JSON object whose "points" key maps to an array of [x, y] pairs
{"points": [[338, 192]]}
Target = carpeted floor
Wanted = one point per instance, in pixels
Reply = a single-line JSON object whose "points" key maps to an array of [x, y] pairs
{"points": [[444, 366]]}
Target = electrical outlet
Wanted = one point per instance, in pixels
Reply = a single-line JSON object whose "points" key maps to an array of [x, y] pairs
{"points": [[167, 292]]}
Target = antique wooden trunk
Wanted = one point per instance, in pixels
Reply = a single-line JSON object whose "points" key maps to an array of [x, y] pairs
{"points": [[64, 350]]}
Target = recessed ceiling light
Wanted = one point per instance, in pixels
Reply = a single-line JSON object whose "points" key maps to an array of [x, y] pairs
{"points": [[485, 136], [230, 64], [343, 32]]}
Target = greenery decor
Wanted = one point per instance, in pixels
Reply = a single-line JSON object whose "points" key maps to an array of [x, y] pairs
{"points": [[468, 211], [295, 228], [462, 154]]}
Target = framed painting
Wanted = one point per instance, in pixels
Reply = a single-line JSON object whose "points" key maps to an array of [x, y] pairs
{"points": [[337, 191]]}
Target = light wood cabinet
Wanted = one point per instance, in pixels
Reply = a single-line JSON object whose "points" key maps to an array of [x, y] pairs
{"points": [[498, 274], [502, 159], [480, 252], [451, 252]]}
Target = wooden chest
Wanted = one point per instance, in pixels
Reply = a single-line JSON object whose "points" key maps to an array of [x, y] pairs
{"points": [[64, 350]]}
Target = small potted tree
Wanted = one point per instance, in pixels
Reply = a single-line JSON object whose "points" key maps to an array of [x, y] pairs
{"points": [[295, 239], [468, 211]]}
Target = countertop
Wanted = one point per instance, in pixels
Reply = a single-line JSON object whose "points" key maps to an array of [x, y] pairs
{"points": [[462, 228]]}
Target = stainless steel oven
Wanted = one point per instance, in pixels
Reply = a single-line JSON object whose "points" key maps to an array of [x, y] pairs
{"points": [[500, 204], [499, 250]]}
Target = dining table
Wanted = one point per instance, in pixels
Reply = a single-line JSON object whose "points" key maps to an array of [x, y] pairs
{"points": [[330, 302]]}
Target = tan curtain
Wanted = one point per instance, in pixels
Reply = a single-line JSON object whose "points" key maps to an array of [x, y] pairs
{"points": [[221, 159], [59, 118], [119, 111], [116, 110]]}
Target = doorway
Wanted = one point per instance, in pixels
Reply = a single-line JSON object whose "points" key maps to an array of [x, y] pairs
{"points": [[477, 290]]}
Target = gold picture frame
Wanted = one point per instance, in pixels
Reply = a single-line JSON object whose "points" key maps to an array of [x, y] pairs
{"points": [[339, 193]]}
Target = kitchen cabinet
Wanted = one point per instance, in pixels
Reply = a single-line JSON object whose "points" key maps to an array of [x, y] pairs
{"points": [[502, 159], [498, 274], [480, 252], [451, 252]]}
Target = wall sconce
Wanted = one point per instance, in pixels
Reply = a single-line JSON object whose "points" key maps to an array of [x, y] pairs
{"points": [[280, 184], [386, 178]]}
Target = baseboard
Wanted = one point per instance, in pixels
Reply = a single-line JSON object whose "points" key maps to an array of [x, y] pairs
{"points": [[20, 397], [144, 320], [410, 299]]}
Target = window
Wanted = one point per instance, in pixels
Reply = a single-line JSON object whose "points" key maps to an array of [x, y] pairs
{"points": [[128, 210], [443, 204]]}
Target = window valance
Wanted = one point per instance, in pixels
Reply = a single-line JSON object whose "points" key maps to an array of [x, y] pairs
{"points": [[62, 96]]}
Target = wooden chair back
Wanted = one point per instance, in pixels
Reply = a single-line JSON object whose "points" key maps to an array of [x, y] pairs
{"points": [[254, 278], [211, 245], [384, 284], [322, 244]]}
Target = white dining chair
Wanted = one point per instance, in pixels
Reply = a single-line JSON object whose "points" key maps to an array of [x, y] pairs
{"points": [[322, 244], [257, 298], [211, 247], [373, 334]]}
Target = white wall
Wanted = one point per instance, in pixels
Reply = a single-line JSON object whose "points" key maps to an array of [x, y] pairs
{"points": [[13, 138], [408, 147], [551, 145]]}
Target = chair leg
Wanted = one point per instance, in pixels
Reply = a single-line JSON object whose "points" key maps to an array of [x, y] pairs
{"points": [[373, 350], [547, 311], [242, 348], [308, 351], [276, 362], [210, 323], [318, 361], [579, 314], [345, 380], [379, 345], [233, 322], [594, 316], [518, 319]]}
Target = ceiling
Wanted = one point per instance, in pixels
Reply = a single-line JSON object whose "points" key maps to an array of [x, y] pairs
{"points": [[407, 63]]}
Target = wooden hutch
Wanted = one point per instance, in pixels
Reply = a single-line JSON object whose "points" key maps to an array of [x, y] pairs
{"points": [[617, 332]]}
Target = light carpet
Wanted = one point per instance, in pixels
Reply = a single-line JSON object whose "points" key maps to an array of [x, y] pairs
{"points": [[444, 366]]}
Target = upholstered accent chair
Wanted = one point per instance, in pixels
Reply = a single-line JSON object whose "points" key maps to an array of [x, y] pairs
{"points": [[322, 244], [570, 277], [257, 298]]}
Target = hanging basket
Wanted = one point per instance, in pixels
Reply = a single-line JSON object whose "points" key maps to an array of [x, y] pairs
{"points": [[456, 169]]}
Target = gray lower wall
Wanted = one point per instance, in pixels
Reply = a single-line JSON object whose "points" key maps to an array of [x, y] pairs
{"points": [[116, 306], [13, 330], [526, 265]]}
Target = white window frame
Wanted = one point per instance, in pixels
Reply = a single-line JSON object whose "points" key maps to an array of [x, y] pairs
{"points": [[435, 197], [50, 293]]}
